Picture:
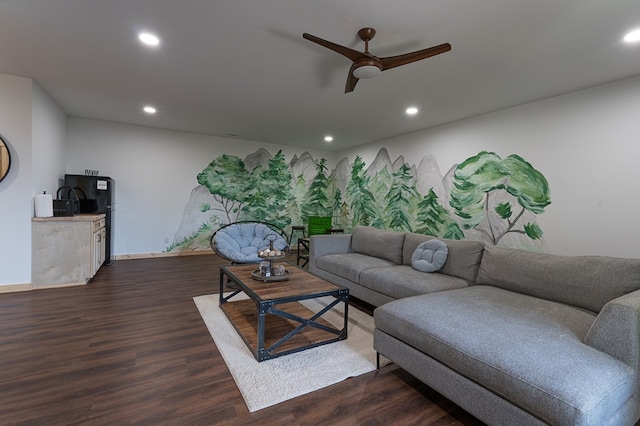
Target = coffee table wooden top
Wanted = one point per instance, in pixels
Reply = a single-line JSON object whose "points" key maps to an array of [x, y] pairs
{"points": [[300, 283]]}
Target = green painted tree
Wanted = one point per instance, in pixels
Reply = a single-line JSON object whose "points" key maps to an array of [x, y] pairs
{"points": [[299, 193], [343, 215], [431, 215], [271, 194], [257, 205], [361, 200], [453, 231], [486, 173], [433, 219], [379, 186], [336, 206], [317, 200], [227, 180], [401, 199]]}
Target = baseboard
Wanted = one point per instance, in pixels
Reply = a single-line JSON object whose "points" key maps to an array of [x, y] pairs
{"points": [[12, 288], [163, 254], [61, 285]]}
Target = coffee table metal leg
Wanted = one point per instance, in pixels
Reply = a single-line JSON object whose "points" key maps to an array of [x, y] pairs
{"points": [[267, 353], [222, 298], [345, 299], [221, 286], [262, 354]]}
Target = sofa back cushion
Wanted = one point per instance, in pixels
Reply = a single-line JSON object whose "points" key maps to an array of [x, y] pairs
{"points": [[463, 258], [587, 282], [378, 243]]}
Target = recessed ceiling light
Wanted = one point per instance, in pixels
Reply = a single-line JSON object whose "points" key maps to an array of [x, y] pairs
{"points": [[149, 109], [412, 111], [328, 138], [149, 39], [633, 36]]}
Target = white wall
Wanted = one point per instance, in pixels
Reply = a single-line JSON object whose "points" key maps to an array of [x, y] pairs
{"points": [[15, 189], [154, 170], [49, 132], [587, 145], [34, 127]]}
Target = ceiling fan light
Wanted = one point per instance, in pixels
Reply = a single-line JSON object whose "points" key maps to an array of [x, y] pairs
{"points": [[149, 39], [366, 71], [632, 36]]}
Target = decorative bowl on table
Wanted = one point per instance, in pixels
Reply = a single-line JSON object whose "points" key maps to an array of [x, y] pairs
{"points": [[268, 272], [268, 254]]}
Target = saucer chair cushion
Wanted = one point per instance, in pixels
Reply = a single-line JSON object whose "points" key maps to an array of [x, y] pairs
{"points": [[240, 242]]}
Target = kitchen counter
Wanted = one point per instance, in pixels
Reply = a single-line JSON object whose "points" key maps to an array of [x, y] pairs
{"points": [[67, 250]]}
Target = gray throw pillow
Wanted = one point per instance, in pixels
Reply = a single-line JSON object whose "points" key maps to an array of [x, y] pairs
{"points": [[429, 256]]}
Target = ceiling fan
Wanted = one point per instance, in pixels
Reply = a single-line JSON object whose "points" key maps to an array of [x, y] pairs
{"points": [[365, 65]]}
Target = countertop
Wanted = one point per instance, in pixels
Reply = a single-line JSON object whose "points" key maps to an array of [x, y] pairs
{"points": [[75, 218]]}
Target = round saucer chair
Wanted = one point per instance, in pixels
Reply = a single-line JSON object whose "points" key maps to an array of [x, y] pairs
{"points": [[240, 242]]}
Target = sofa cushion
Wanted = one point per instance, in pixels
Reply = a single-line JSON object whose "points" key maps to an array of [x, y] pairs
{"points": [[378, 243], [403, 281], [429, 256], [587, 282], [463, 258], [350, 265], [526, 350]]}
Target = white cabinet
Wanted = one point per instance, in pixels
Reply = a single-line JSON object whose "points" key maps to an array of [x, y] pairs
{"points": [[67, 250], [98, 255]]}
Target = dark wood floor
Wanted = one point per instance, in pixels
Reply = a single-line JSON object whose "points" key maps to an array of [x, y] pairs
{"points": [[131, 348]]}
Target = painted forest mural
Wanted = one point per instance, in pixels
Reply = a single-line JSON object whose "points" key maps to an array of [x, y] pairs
{"points": [[485, 197]]}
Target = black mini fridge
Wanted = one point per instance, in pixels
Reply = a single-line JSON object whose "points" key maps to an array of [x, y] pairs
{"points": [[96, 195]]}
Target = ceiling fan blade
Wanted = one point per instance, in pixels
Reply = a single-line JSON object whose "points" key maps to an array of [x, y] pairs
{"points": [[352, 80], [344, 51], [396, 61]]}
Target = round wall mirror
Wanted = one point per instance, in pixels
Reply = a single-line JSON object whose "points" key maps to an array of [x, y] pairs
{"points": [[5, 159]]}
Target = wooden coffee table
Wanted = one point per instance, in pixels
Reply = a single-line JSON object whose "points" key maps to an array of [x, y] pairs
{"points": [[271, 321]]}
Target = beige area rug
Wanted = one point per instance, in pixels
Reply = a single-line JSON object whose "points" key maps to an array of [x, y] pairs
{"points": [[269, 382]]}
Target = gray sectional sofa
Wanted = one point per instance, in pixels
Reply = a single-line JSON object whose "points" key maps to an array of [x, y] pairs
{"points": [[512, 336]]}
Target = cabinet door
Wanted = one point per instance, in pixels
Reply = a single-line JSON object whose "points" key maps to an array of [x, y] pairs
{"points": [[95, 261], [103, 246], [99, 246]]}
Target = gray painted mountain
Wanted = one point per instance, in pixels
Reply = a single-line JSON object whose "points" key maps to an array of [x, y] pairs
{"points": [[428, 176], [342, 174], [381, 161], [259, 158], [194, 216], [305, 166]]}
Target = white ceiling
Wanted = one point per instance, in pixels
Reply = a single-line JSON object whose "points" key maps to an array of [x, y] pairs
{"points": [[242, 67]]}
